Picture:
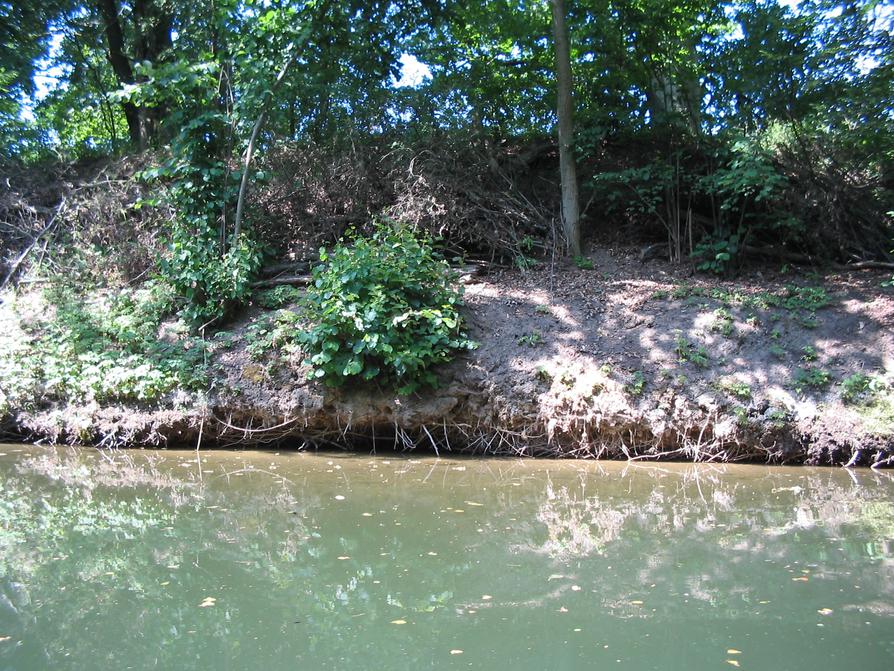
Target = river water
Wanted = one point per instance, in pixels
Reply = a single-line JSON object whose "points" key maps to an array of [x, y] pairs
{"points": [[259, 560]]}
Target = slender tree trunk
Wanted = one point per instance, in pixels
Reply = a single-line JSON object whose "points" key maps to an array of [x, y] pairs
{"points": [[250, 150], [565, 112]]}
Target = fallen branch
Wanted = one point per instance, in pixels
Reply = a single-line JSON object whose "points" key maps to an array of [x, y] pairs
{"points": [[864, 265], [294, 266], [793, 257], [295, 280], [46, 229], [467, 272]]}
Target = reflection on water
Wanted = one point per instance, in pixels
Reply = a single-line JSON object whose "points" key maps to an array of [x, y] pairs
{"points": [[258, 560]]}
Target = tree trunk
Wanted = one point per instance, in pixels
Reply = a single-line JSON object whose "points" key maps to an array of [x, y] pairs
{"points": [[120, 64], [151, 30], [565, 112]]}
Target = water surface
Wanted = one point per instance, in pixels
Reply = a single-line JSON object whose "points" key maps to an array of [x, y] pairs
{"points": [[249, 560]]}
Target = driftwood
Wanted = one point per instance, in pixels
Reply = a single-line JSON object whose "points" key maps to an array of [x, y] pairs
{"points": [[864, 265]]}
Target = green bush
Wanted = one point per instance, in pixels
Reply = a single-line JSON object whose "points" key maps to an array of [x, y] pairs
{"points": [[210, 269], [716, 253], [210, 284], [384, 308]]}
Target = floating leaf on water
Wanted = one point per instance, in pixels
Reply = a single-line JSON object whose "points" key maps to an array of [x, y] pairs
{"points": [[825, 611], [398, 621]]}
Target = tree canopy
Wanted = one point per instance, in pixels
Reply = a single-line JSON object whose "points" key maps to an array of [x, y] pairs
{"points": [[722, 123]]}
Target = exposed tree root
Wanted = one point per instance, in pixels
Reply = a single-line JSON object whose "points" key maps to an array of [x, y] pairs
{"points": [[633, 439]]}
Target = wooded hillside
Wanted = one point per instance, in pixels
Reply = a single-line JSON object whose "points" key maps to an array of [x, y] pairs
{"points": [[725, 129]]}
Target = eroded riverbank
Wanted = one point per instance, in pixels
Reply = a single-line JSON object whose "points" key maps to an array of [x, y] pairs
{"points": [[627, 361]]}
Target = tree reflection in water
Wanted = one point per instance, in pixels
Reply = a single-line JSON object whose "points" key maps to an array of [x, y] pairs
{"points": [[138, 542]]}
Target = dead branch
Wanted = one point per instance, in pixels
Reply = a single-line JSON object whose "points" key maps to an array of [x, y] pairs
{"points": [[46, 229], [296, 280], [294, 266]]}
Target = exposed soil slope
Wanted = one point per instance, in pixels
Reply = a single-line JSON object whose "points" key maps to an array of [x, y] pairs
{"points": [[626, 360]]}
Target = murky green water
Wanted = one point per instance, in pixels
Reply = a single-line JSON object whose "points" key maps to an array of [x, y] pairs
{"points": [[260, 561]]}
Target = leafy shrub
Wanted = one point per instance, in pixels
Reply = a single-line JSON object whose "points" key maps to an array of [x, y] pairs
{"points": [[723, 322], [809, 353], [716, 253], [532, 339], [637, 384], [687, 351], [583, 263], [270, 333], [861, 388], [733, 387], [384, 308], [209, 268], [802, 298], [210, 284]]}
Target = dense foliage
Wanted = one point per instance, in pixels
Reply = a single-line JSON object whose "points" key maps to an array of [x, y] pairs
{"points": [[726, 128], [384, 307]]}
